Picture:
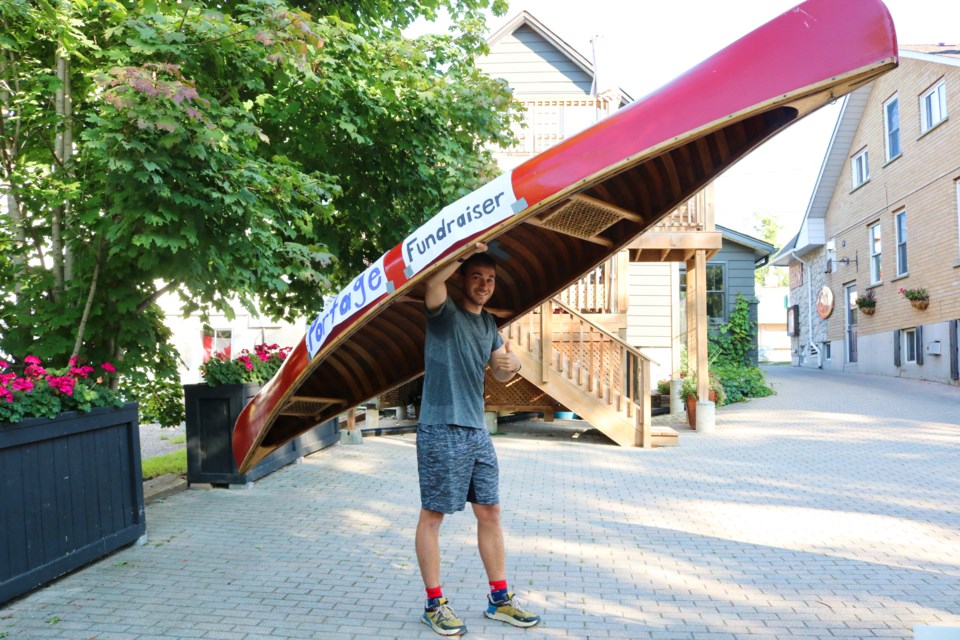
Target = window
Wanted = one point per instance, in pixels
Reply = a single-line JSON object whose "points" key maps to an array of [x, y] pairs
{"points": [[901, 229], [876, 266], [910, 345], [716, 293], [861, 168], [216, 341], [891, 126], [933, 107], [827, 351]]}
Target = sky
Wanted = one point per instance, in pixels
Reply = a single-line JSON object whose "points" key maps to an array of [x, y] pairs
{"points": [[644, 44]]}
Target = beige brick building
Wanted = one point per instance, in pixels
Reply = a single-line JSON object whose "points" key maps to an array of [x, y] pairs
{"points": [[885, 216]]}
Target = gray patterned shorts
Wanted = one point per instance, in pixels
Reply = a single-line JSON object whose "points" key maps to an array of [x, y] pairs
{"points": [[456, 465]]}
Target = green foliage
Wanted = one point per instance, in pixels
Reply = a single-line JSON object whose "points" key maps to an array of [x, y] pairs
{"points": [[733, 340], [161, 402], [768, 227], [730, 345], [689, 388], [663, 387], [175, 463], [741, 383], [260, 151], [259, 367]]}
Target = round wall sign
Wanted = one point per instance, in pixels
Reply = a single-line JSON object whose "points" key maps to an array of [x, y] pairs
{"points": [[825, 302]]}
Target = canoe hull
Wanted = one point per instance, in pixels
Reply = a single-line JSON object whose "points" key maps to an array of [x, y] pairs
{"points": [[567, 210]]}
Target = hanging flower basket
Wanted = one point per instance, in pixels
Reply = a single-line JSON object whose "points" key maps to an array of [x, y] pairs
{"points": [[919, 298], [867, 302]]}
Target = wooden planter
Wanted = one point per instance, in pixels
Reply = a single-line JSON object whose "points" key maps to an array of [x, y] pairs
{"points": [[211, 414], [920, 304], [72, 493]]}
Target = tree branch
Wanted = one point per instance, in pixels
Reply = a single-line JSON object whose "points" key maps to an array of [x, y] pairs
{"points": [[170, 286], [86, 309]]}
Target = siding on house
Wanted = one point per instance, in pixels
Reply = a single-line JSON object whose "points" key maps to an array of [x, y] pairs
{"points": [[652, 315], [532, 66]]}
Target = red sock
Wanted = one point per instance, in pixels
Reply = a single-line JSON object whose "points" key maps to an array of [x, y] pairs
{"points": [[499, 585], [435, 592]]}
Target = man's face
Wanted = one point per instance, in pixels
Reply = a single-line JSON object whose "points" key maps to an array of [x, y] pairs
{"points": [[479, 283]]}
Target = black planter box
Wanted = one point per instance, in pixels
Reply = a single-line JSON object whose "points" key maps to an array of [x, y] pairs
{"points": [[211, 414], [72, 492]]}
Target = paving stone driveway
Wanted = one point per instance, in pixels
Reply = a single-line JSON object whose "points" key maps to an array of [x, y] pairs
{"points": [[831, 510]]}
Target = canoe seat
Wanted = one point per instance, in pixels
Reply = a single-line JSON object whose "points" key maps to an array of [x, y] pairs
{"points": [[308, 407], [585, 218]]}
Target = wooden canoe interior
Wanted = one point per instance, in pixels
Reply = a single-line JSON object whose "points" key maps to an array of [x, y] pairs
{"points": [[537, 259]]}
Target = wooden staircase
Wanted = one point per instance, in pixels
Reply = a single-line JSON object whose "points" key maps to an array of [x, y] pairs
{"points": [[589, 370]]}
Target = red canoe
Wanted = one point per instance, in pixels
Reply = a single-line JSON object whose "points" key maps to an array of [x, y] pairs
{"points": [[565, 211]]}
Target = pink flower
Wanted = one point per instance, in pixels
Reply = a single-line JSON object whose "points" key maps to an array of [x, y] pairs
{"points": [[74, 360], [106, 366], [6, 394], [5, 378], [22, 384], [246, 362], [34, 371], [81, 372], [4, 365], [32, 360], [63, 384]]}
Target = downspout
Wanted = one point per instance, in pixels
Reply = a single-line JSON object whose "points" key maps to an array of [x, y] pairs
{"points": [[809, 281]]}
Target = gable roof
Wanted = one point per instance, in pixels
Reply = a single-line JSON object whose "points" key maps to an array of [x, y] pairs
{"points": [[761, 248], [525, 18], [811, 232]]}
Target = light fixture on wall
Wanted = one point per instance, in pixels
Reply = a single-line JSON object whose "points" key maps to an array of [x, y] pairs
{"points": [[846, 261]]}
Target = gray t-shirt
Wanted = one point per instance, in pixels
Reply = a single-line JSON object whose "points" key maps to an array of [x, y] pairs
{"points": [[457, 349]]}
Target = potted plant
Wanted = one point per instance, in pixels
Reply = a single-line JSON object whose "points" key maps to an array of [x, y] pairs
{"points": [[867, 302], [212, 409], [689, 393], [663, 393], [918, 297], [68, 446]]}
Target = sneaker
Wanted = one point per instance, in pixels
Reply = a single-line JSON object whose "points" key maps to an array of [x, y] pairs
{"points": [[511, 612], [442, 619]]}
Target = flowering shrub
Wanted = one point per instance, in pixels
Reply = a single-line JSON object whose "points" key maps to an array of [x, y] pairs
{"points": [[915, 294], [41, 392], [259, 366]]}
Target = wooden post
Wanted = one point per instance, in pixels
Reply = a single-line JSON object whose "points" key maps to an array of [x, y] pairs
{"points": [[546, 339], [644, 417], [699, 333]]}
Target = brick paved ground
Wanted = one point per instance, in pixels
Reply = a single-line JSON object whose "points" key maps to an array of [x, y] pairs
{"points": [[831, 510]]}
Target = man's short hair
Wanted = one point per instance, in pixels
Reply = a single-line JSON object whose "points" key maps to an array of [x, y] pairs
{"points": [[477, 259]]}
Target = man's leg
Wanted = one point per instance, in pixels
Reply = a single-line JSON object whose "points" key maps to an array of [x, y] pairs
{"points": [[490, 541], [428, 547]]}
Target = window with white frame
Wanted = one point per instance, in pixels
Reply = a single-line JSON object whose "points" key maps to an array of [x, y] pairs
{"points": [[891, 126], [910, 345], [216, 341], [933, 106], [901, 231], [876, 255], [861, 168]]}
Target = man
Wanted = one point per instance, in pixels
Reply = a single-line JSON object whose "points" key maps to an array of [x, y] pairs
{"points": [[455, 456]]}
